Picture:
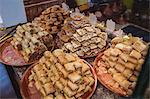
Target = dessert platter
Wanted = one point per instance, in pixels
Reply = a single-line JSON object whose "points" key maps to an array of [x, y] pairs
{"points": [[54, 46], [52, 19], [81, 38], [59, 75], [119, 66], [26, 46]]}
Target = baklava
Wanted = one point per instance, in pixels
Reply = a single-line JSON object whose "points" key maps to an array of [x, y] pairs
{"points": [[122, 62], [85, 41], [67, 79], [31, 41], [52, 19]]}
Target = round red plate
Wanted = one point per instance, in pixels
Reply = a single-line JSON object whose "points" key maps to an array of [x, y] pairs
{"points": [[105, 77], [35, 94], [10, 56]]}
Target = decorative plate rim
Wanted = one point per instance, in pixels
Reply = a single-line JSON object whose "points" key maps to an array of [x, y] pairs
{"points": [[21, 65], [31, 67]]}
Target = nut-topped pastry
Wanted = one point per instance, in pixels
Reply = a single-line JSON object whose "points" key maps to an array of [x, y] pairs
{"points": [[31, 41], [85, 42], [52, 19], [119, 66], [80, 37], [61, 75]]}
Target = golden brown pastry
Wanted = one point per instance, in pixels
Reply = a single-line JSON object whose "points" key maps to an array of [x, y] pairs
{"points": [[111, 63], [85, 67], [61, 81], [69, 67], [133, 78], [130, 65], [69, 57], [138, 67], [112, 58], [60, 96], [112, 71], [31, 41], [115, 52], [107, 52], [132, 60], [105, 58], [59, 85], [118, 77], [77, 64], [52, 19], [123, 47], [124, 57], [135, 54], [125, 84], [49, 97], [72, 85], [127, 73], [120, 65], [68, 91], [141, 61], [74, 77], [61, 69], [84, 40], [121, 61], [117, 40], [139, 46], [49, 88]]}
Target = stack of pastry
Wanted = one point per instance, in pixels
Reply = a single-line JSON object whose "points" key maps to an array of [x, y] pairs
{"points": [[120, 65], [85, 42], [52, 19], [31, 41], [77, 20], [61, 75]]}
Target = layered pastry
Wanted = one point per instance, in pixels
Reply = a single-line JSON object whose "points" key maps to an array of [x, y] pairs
{"points": [[85, 42], [77, 20], [52, 19], [60, 75], [31, 41], [120, 65]]}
